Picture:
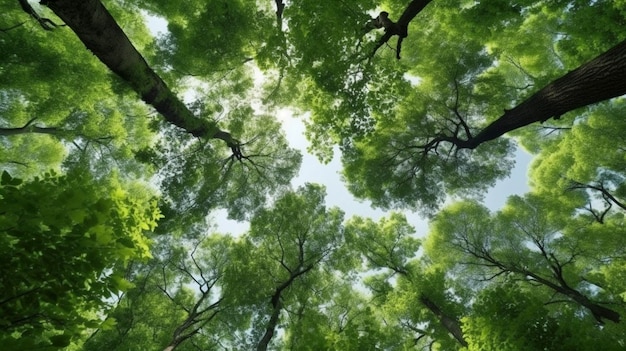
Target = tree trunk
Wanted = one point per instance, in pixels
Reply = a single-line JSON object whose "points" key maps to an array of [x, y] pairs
{"points": [[101, 34], [400, 28], [599, 79], [599, 312], [450, 323], [277, 305], [271, 327]]}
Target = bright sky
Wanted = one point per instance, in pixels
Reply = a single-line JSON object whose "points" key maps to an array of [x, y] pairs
{"points": [[313, 171]]}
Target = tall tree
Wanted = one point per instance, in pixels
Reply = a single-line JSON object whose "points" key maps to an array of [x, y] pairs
{"points": [[524, 240], [389, 247], [99, 31], [177, 299], [294, 243], [89, 19], [432, 158], [90, 124]]}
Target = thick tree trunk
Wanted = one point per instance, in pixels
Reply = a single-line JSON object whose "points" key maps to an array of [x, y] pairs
{"points": [[599, 79], [412, 9], [599, 312], [101, 34], [450, 323]]}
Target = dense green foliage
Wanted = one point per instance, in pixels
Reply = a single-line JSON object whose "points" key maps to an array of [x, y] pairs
{"points": [[60, 262], [108, 235]]}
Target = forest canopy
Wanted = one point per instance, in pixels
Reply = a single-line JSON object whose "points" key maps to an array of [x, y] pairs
{"points": [[127, 127]]}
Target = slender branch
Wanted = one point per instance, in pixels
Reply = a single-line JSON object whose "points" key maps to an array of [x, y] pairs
{"points": [[45, 23], [4, 30]]}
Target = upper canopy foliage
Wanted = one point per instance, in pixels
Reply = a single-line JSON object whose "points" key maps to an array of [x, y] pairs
{"points": [[425, 100]]}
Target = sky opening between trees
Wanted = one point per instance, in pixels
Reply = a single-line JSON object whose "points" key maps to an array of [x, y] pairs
{"points": [[119, 148]]}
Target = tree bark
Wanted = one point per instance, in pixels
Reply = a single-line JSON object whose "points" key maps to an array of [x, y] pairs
{"points": [[450, 323], [101, 34], [599, 79]]}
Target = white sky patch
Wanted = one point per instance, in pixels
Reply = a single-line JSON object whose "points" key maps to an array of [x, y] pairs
{"points": [[329, 175], [156, 25], [414, 80]]}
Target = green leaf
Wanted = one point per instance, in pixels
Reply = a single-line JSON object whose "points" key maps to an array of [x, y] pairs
{"points": [[108, 324], [8, 180], [60, 340], [128, 242]]}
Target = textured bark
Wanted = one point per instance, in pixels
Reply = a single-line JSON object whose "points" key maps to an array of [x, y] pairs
{"points": [[450, 323], [599, 79], [101, 34]]}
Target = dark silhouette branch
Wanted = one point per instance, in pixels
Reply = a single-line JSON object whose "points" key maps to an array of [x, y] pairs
{"points": [[598, 80], [399, 28], [4, 30], [280, 7], [45, 23], [599, 187]]}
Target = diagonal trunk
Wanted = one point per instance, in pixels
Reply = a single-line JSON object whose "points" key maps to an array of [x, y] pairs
{"points": [[277, 306], [597, 80], [33, 129], [450, 323], [599, 312], [101, 34]]}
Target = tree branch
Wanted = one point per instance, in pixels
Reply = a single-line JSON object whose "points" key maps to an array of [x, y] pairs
{"points": [[45, 23], [400, 28], [101, 34]]}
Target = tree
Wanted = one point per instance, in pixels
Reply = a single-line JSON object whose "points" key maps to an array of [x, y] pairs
{"points": [[293, 244], [527, 243], [413, 133], [510, 316], [420, 160], [62, 262], [419, 302], [90, 124], [90, 20], [419, 142], [177, 300], [118, 53]]}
